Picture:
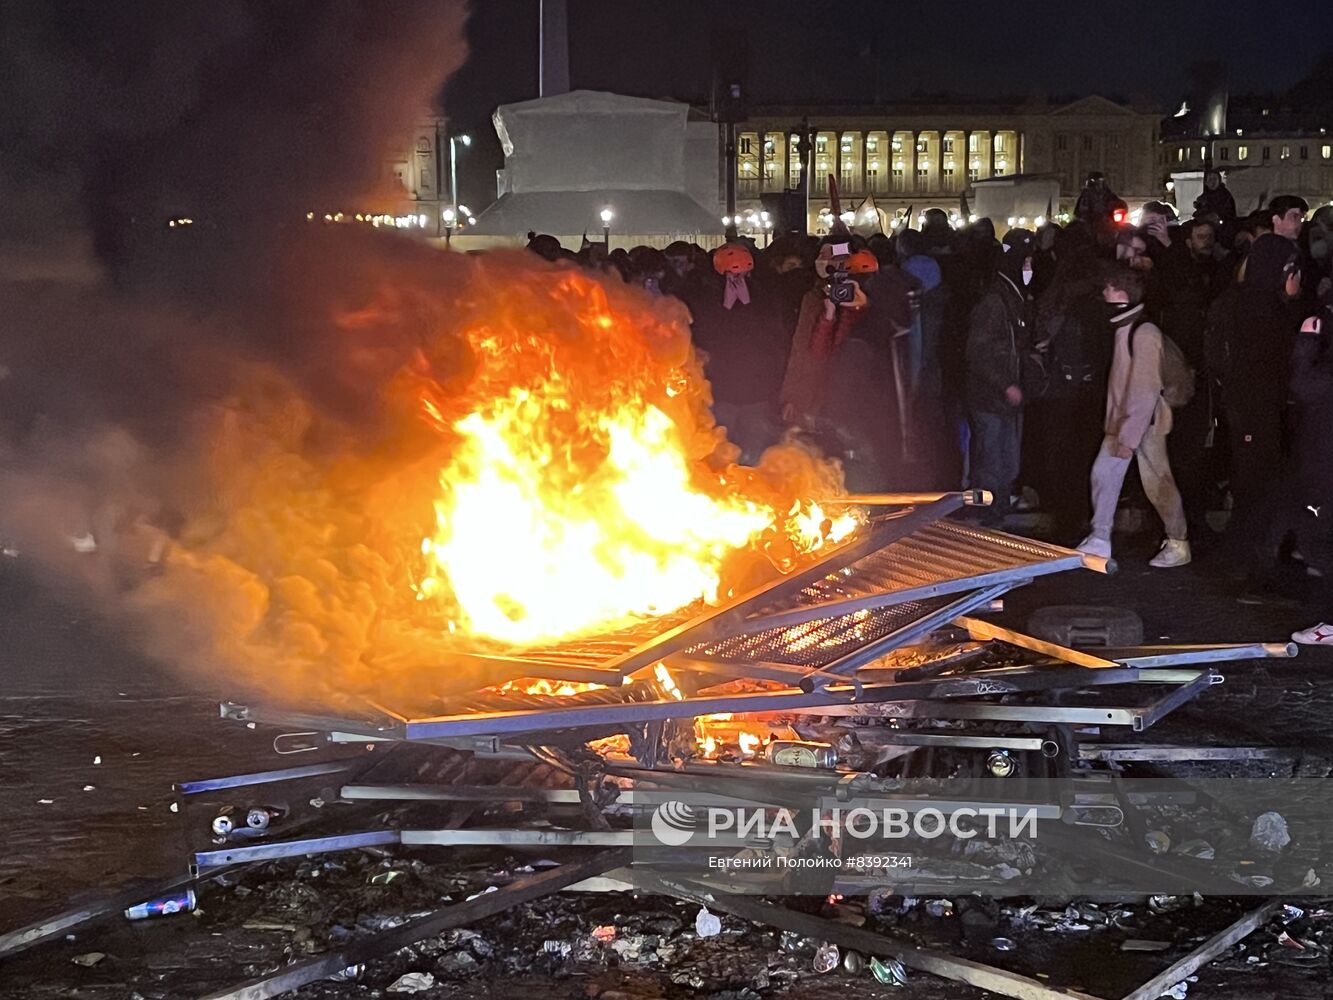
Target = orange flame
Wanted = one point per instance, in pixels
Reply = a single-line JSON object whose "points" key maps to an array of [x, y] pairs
{"points": [[577, 497], [533, 458]]}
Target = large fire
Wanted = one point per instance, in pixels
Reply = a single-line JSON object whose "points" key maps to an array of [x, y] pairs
{"points": [[578, 496], [531, 458]]}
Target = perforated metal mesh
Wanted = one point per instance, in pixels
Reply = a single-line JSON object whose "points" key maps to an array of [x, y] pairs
{"points": [[936, 554], [596, 650], [821, 642]]}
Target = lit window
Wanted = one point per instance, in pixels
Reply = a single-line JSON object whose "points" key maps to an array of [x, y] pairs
{"points": [[872, 145], [745, 144], [1326, 152], [1000, 144], [1180, 156], [1285, 154], [972, 145], [948, 145], [921, 145], [897, 145], [1242, 152], [1203, 152]]}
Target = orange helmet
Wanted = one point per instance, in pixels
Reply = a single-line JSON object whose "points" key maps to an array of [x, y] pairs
{"points": [[732, 258], [862, 262]]}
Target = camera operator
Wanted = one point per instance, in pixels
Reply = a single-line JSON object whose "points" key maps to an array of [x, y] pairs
{"points": [[829, 311]]}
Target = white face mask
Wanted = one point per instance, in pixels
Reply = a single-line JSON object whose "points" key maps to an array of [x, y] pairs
{"points": [[1027, 275]]}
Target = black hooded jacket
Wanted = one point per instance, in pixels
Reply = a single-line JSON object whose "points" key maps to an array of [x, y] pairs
{"points": [[1266, 324], [999, 338]]}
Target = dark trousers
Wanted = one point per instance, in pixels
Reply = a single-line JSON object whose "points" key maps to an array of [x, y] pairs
{"points": [[1189, 458], [1257, 486], [1071, 435], [994, 455]]}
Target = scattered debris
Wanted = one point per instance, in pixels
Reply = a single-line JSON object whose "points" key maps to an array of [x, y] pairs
{"points": [[889, 971], [1137, 944], [1003, 944], [827, 958], [707, 924], [853, 964], [88, 959], [1270, 832], [1200, 849], [1178, 991], [1166, 904], [162, 906], [412, 982], [1158, 841], [384, 878], [606, 933], [1287, 941]]}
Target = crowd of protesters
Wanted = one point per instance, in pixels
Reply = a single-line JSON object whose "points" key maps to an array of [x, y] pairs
{"points": [[1043, 366]]}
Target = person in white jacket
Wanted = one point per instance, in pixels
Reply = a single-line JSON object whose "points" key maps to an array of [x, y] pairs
{"points": [[1138, 420]]}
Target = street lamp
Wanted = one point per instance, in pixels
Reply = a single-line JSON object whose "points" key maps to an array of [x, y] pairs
{"points": [[607, 216], [448, 215], [466, 140]]}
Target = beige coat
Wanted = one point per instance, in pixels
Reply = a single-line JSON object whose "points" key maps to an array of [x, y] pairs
{"points": [[1134, 403]]}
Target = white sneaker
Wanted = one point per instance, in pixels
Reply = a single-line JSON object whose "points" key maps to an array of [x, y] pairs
{"points": [[1094, 546], [1174, 552], [1318, 635]]}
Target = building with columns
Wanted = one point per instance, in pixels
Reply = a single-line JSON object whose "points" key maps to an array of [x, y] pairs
{"points": [[1264, 146], [925, 154]]}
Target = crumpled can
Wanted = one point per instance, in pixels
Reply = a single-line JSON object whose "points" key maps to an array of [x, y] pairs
{"points": [[888, 971], [827, 958]]}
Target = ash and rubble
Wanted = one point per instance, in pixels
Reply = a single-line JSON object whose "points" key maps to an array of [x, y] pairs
{"points": [[616, 946]]}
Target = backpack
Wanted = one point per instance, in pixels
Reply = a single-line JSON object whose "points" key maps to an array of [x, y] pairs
{"points": [[1178, 378], [1071, 370]]}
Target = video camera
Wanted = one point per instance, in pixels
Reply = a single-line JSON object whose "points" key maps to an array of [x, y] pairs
{"points": [[841, 287]]}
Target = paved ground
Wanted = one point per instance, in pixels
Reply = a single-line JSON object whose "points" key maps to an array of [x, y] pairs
{"points": [[92, 735]]}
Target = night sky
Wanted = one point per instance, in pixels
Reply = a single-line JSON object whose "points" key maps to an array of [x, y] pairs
{"points": [[809, 51]]}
